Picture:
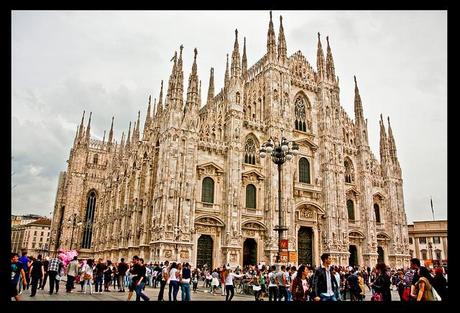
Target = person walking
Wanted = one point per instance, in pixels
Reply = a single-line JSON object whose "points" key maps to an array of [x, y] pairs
{"points": [[72, 272], [185, 282], [173, 282], [440, 283], [100, 268], [424, 285], [324, 283], [229, 277], [139, 278], [164, 280], [382, 283], [282, 284], [17, 275], [299, 285], [273, 284], [88, 275], [46, 262], [54, 268], [108, 272], [122, 269], [36, 272], [26, 262]]}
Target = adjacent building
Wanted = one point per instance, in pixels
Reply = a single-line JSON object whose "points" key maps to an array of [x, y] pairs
{"points": [[428, 242], [33, 237], [192, 186]]}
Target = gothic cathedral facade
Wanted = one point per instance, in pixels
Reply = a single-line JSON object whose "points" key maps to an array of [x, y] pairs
{"points": [[192, 187]]}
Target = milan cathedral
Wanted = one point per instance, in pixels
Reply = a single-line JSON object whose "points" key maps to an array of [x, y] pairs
{"points": [[192, 187]]}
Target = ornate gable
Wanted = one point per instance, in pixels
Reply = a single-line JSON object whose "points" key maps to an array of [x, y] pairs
{"points": [[209, 168], [209, 221], [307, 142], [252, 176]]}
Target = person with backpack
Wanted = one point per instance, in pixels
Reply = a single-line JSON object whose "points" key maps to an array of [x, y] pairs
{"points": [[272, 284]]}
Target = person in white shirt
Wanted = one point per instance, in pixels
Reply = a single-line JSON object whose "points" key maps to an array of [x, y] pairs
{"points": [[174, 277], [273, 284], [229, 277]]}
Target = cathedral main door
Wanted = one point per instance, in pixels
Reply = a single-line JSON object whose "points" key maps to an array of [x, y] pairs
{"points": [[204, 251], [249, 252], [305, 251], [353, 260], [381, 257]]}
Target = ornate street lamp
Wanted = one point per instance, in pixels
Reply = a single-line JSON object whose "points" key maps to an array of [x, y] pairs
{"points": [[280, 152], [73, 222]]}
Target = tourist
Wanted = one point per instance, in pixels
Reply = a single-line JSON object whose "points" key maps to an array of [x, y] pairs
{"points": [[299, 285], [440, 283], [272, 284], [122, 269], [229, 277], [37, 272], [108, 272], [324, 284], [164, 280], [382, 284], [185, 282], [424, 285], [173, 282], [25, 262], [17, 275], [88, 275], [72, 272], [54, 269]]}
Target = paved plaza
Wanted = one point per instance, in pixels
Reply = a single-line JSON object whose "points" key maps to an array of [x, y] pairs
{"points": [[201, 295]]}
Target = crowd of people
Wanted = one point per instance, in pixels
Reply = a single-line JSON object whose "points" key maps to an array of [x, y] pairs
{"points": [[273, 283]]}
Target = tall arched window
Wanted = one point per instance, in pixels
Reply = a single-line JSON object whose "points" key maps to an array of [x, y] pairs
{"points": [[89, 218], [304, 171], [207, 190], [351, 210], [349, 175], [250, 151], [377, 213], [251, 196], [300, 114]]}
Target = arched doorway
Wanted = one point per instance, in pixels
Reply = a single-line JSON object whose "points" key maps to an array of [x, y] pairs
{"points": [[204, 251], [381, 257], [250, 252], [305, 251], [353, 260]]}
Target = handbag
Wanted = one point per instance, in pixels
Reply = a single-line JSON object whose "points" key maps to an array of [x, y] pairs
{"points": [[406, 294], [377, 296], [256, 287], [58, 277]]}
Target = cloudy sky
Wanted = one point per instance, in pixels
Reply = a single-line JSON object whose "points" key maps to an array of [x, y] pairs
{"points": [[108, 62]]}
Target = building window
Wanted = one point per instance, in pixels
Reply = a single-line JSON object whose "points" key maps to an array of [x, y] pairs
{"points": [[422, 240], [250, 151], [377, 213], [207, 190], [410, 240], [438, 254], [89, 218], [35, 239], [251, 196], [300, 114], [304, 171], [436, 240], [411, 252], [351, 210], [33, 245], [349, 175], [423, 254], [95, 158], [41, 233], [41, 239], [35, 233]]}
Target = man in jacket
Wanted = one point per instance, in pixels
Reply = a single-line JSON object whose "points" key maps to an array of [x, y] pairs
{"points": [[324, 283], [72, 272]]}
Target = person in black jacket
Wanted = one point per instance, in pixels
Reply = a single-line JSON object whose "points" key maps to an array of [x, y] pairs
{"points": [[382, 283], [440, 283], [324, 283]]}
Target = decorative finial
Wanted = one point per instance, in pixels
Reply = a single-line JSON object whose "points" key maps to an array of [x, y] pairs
{"points": [[319, 36], [281, 19], [354, 76], [270, 16], [236, 33], [196, 52]]}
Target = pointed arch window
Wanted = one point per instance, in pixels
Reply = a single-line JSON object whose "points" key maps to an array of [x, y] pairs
{"points": [[377, 213], [351, 210], [250, 151], [304, 171], [300, 114], [89, 219], [349, 175], [207, 190], [251, 196]]}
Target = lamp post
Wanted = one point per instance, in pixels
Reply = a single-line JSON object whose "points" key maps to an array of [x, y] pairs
{"points": [[280, 152], [73, 222]]}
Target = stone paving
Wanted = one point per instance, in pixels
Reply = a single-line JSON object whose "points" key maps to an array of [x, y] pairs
{"points": [[201, 295]]}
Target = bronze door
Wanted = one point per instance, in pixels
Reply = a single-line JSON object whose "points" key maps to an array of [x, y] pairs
{"points": [[353, 260], [204, 251], [249, 252], [305, 251], [380, 258]]}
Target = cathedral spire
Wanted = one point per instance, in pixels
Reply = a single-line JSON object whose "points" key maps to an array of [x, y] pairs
{"points": [[122, 142], [330, 69], [128, 138], [271, 43], [383, 142], [179, 85], [148, 119], [320, 60], [192, 90], [88, 128], [227, 77], [111, 132], [244, 61], [171, 82], [76, 136], [359, 117], [211, 86], [282, 48], [160, 101], [391, 142], [236, 68], [103, 138], [136, 134], [80, 131]]}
